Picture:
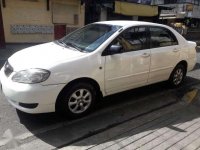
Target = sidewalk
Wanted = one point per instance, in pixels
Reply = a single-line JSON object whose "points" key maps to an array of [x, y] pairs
{"points": [[174, 127]]}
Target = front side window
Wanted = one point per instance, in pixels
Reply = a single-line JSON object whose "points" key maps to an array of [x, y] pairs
{"points": [[161, 37], [89, 37], [132, 39]]}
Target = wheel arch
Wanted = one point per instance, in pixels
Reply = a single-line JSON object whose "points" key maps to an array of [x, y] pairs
{"points": [[184, 63], [85, 80]]}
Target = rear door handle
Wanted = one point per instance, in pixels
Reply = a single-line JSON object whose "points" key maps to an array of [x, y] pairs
{"points": [[145, 54]]}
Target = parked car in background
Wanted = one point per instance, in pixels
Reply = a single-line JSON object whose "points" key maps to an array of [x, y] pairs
{"points": [[102, 58]]}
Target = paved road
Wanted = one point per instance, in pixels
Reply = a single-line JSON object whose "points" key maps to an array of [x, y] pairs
{"points": [[48, 131]]}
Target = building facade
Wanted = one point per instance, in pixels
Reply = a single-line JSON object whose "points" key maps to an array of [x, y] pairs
{"points": [[120, 10], [38, 21]]}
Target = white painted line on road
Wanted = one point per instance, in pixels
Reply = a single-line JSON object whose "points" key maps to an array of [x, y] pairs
{"points": [[29, 134], [42, 130], [3, 142], [25, 136]]}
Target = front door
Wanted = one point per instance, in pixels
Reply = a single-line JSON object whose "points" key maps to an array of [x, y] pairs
{"points": [[130, 68], [59, 31]]}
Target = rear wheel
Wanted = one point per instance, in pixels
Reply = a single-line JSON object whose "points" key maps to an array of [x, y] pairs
{"points": [[77, 100], [177, 76]]}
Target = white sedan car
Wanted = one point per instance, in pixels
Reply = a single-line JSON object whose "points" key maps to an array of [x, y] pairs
{"points": [[99, 59]]}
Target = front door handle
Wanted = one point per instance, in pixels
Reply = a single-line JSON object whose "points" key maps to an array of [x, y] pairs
{"points": [[145, 55]]}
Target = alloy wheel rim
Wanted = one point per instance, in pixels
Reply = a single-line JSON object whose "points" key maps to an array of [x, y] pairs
{"points": [[80, 101], [178, 76]]}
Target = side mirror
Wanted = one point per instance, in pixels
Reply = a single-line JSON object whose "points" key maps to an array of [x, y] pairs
{"points": [[114, 49]]}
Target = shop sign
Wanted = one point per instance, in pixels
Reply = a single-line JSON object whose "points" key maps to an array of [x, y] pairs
{"points": [[189, 7], [168, 12], [31, 0]]}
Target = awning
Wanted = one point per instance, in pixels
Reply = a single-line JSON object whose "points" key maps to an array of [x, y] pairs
{"points": [[133, 9]]}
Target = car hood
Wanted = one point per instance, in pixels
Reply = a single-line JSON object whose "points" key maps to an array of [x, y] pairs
{"points": [[42, 56]]}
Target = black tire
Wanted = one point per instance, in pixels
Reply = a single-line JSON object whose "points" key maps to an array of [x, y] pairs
{"points": [[177, 76], [63, 101]]}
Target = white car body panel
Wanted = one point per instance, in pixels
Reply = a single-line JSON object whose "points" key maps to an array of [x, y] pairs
{"points": [[113, 73], [163, 61], [126, 71], [42, 56]]}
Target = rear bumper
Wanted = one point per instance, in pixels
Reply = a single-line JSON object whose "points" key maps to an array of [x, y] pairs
{"points": [[191, 63]]}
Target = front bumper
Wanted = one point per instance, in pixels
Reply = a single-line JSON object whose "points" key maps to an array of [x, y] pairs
{"points": [[28, 94]]}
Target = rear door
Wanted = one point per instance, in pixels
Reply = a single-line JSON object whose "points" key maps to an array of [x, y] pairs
{"points": [[165, 53]]}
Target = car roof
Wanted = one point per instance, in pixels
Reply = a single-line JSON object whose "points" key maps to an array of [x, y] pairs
{"points": [[128, 23]]}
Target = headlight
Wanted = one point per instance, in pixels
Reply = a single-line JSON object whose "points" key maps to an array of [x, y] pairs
{"points": [[31, 76]]}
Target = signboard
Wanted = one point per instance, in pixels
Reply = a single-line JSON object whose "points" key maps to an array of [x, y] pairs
{"points": [[189, 7], [31, 0], [133, 9], [168, 11]]}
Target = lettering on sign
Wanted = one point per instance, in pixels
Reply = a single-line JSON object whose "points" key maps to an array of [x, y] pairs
{"points": [[168, 11], [31, 29], [31, 0]]}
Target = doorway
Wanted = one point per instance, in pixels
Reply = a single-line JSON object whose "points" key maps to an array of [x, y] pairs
{"points": [[59, 31], [2, 36]]}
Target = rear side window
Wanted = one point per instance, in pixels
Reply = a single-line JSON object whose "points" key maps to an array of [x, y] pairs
{"points": [[161, 37]]}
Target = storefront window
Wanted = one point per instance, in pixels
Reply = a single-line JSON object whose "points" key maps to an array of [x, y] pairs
{"points": [[170, 1], [197, 2]]}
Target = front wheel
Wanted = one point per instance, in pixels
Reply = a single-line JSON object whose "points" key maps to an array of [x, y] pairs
{"points": [[177, 76], [77, 100]]}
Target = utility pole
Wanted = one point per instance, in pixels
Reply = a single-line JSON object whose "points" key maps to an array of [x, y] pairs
{"points": [[2, 36]]}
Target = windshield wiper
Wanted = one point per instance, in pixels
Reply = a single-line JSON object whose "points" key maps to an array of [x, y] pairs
{"points": [[74, 46], [61, 43]]}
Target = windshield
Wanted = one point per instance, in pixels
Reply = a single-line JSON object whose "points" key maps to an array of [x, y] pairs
{"points": [[89, 37]]}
